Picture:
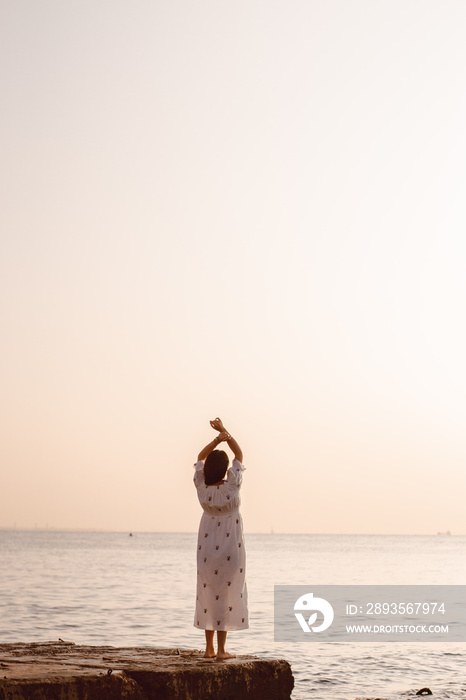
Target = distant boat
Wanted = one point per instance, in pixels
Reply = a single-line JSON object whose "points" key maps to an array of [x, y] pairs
{"points": [[447, 532], [131, 534]]}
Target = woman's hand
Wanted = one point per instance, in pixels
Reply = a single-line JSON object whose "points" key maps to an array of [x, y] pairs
{"points": [[217, 425], [223, 436]]}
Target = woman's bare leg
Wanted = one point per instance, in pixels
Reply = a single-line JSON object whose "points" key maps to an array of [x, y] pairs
{"points": [[209, 644], [221, 653]]}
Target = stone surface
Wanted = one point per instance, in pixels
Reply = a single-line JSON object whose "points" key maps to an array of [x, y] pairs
{"points": [[67, 671]]}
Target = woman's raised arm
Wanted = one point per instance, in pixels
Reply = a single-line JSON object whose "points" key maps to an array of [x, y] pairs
{"points": [[231, 442], [235, 448]]}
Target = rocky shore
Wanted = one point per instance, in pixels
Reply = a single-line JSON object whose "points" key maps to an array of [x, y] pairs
{"points": [[66, 671]]}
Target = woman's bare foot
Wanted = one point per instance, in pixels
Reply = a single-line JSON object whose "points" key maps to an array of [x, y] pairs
{"points": [[209, 645], [221, 651], [225, 655]]}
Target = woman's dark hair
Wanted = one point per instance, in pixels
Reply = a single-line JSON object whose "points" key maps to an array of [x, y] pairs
{"points": [[215, 467]]}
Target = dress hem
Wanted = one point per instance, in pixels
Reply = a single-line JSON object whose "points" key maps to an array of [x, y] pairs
{"points": [[221, 629]]}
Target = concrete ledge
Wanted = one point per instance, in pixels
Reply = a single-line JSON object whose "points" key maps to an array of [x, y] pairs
{"points": [[67, 671]]}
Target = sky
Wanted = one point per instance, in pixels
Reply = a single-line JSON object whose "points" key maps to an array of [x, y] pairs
{"points": [[252, 210]]}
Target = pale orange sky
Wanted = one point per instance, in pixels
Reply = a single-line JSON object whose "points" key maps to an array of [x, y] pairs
{"points": [[252, 210]]}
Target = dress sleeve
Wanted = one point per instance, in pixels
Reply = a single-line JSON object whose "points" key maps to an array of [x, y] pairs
{"points": [[235, 473], [199, 473]]}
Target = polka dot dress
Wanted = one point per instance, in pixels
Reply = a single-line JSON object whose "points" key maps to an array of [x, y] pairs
{"points": [[221, 598]]}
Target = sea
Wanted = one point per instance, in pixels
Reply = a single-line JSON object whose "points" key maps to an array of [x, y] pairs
{"points": [[104, 588]]}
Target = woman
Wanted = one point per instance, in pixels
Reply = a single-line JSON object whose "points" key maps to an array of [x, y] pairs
{"points": [[222, 599]]}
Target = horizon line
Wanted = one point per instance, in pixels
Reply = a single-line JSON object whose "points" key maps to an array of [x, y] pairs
{"points": [[447, 533]]}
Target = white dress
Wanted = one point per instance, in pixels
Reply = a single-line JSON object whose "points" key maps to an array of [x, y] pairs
{"points": [[222, 597]]}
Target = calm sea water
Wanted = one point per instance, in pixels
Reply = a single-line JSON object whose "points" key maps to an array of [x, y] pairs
{"points": [[109, 588]]}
